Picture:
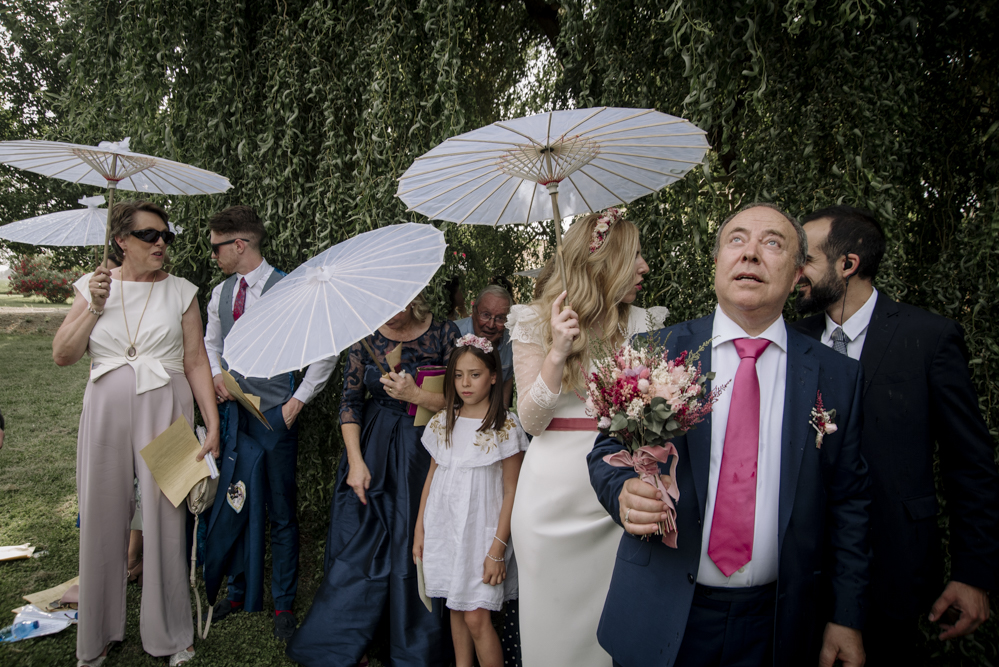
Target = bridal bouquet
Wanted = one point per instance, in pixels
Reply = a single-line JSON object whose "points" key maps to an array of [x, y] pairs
{"points": [[644, 399]]}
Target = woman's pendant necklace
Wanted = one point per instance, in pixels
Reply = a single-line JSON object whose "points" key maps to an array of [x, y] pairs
{"points": [[130, 352]]}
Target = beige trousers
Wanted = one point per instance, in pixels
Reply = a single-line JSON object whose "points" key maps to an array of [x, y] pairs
{"points": [[114, 426]]}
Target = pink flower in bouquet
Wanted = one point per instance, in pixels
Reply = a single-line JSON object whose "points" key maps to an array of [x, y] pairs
{"points": [[669, 392]]}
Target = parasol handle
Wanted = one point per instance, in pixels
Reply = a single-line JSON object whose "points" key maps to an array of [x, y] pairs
{"points": [[112, 186], [557, 221], [364, 342]]}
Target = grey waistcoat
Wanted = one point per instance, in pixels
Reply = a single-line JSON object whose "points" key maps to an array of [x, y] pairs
{"points": [[274, 391]]}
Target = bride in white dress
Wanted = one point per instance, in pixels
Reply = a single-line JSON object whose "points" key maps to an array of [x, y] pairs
{"points": [[566, 542]]}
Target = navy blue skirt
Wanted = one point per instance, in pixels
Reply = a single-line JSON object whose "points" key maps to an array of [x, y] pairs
{"points": [[369, 570]]}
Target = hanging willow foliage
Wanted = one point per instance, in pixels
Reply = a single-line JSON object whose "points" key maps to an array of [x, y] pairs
{"points": [[312, 110], [890, 106]]}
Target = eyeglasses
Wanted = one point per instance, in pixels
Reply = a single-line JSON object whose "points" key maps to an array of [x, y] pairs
{"points": [[153, 235], [216, 246], [486, 318]]}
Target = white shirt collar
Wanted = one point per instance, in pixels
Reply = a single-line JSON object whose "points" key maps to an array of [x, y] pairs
{"points": [[256, 274], [858, 322], [725, 329]]}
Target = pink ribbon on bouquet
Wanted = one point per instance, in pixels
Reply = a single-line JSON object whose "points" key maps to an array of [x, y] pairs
{"points": [[645, 462]]}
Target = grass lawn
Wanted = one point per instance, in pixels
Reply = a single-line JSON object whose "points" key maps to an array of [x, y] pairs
{"points": [[18, 301], [8, 300]]}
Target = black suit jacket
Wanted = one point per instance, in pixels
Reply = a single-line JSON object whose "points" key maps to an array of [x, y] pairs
{"points": [[822, 520], [918, 394]]}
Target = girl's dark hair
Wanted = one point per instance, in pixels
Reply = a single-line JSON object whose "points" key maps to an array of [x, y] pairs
{"points": [[496, 417]]}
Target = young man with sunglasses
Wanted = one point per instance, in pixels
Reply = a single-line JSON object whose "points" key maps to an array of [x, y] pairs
{"points": [[257, 464]]}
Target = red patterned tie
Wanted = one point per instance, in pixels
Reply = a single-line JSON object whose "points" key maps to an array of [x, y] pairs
{"points": [[240, 305], [731, 543]]}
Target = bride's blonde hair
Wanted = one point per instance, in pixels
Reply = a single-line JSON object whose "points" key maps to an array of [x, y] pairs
{"points": [[596, 283]]}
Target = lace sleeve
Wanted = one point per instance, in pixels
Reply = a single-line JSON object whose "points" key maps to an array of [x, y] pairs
{"points": [[644, 320], [449, 336], [535, 401], [352, 403], [657, 315]]}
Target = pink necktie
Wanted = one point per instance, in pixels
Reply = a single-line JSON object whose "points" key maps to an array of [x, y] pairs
{"points": [[240, 305], [731, 543]]}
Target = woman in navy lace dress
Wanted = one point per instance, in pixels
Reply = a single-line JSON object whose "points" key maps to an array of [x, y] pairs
{"points": [[369, 565]]}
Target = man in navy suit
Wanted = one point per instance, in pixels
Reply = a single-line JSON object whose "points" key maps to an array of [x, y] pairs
{"points": [[263, 458], [917, 395], [771, 558]]}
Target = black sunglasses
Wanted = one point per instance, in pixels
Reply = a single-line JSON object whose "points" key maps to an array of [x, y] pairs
{"points": [[216, 246], [153, 235]]}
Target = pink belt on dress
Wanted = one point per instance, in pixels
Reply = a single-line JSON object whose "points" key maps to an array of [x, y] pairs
{"points": [[573, 424]]}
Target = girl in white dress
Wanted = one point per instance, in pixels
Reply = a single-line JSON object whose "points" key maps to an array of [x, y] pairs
{"points": [[463, 528], [566, 542]]}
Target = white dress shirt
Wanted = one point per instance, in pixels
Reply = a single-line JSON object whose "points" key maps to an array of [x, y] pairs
{"points": [[319, 372], [855, 328], [771, 369]]}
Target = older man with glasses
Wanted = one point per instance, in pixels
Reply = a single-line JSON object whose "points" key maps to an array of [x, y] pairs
{"points": [[488, 320]]}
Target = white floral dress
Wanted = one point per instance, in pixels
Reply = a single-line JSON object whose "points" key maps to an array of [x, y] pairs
{"points": [[463, 510]]}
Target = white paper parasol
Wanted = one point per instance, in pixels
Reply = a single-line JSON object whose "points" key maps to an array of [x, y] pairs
{"points": [[551, 165], [76, 227], [111, 165], [334, 299]]}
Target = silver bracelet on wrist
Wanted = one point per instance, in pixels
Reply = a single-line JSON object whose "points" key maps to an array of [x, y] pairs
{"points": [[493, 558], [98, 313], [500, 541]]}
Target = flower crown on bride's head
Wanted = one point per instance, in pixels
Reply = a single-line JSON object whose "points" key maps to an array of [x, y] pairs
{"points": [[475, 341], [601, 229]]}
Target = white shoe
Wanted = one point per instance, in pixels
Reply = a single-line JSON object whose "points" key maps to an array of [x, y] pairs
{"points": [[94, 662], [181, 657]]}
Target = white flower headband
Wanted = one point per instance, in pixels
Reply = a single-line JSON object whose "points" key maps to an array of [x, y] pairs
{"points": [[607, 219], [475, 341]]}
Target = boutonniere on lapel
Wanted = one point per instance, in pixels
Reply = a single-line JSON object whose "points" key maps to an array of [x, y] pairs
{"points": [[822, 421], [644, 399]]}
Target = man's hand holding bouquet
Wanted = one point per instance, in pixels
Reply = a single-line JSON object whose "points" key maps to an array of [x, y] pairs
{"points": [[644, 399]]}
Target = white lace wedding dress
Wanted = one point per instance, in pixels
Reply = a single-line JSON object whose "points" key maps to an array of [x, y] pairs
{"points": [[566, 542]]}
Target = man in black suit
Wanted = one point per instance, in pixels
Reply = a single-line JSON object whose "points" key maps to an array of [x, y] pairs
{"points": [[917, 395]]}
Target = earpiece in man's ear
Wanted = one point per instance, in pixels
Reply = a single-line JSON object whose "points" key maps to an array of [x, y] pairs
{"points": [[848, 264]]}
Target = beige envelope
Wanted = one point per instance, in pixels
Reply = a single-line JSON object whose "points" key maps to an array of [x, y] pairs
{"points": [[48, 599], [248, 401], [16, 553], [171, 460], [421, 584], [431, 383]]}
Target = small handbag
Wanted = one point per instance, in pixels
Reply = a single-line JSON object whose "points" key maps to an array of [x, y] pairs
{"points": [[200, 498]]}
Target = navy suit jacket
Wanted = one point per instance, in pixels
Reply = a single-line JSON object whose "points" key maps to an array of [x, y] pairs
{"points": [[228, 547], [822, 522], [918, 394]]}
